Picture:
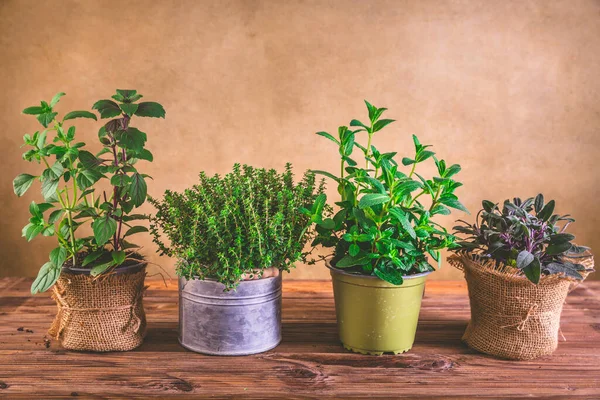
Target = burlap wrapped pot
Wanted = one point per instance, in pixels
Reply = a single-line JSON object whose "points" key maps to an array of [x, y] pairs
{"points": [[100, 314], [511, 317]]}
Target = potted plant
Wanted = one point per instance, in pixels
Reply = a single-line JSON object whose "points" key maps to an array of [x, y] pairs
{"points": [[519, 264], [382, 237], [97, 279], [232, 236]]}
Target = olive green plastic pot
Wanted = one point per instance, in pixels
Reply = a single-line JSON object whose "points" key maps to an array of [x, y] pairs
{"points": [[374, 316]]}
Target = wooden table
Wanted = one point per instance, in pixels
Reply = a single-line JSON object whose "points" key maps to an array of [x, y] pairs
{"points": [[310, 362]]}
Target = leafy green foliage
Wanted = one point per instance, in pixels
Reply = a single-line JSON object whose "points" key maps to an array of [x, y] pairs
{"points": [[69, 178], [383, 227], [525, 235], [242, 223]]}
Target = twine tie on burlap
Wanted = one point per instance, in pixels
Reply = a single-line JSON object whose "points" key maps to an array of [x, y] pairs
{"points": [[530, 314], [502, 298]]}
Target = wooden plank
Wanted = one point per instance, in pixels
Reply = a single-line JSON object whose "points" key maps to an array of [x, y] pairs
{"points": [[309, 363]]}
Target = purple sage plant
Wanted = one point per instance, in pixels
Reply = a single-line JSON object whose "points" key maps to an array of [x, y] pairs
{"points": [[525, 235]]}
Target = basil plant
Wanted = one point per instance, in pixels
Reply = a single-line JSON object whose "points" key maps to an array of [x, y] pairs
{"points": [[80, 187]]}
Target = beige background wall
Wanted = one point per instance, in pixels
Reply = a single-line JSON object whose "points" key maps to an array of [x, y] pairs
{"points": [[508, 89]]}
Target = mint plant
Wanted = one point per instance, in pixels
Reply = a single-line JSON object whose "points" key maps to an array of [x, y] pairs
{"points": [[526, 235], [71, 177], [239, 224], [384, 227]]}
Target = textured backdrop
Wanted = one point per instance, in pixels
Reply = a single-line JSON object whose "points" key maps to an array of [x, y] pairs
{"points": [[508, 89]]}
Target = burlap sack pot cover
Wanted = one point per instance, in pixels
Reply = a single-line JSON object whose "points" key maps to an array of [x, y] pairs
{"points": [[511, 317], [104, 313]]}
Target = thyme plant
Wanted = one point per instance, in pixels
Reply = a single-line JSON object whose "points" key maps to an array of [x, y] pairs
{"points": [[525, 235], [239, 224], [384, 226], [70, 177]]}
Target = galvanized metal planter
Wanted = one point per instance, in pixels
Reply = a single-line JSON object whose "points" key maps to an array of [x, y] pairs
{"points": [[238, 322]]}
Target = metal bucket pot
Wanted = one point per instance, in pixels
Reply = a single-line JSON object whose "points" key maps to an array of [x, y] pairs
{"points": [[243, 321], [374, 316]]}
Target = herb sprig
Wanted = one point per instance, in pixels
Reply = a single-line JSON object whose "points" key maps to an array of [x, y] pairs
{"points": [[239, 224], [526, 235], [69, 181], [384, 226]]}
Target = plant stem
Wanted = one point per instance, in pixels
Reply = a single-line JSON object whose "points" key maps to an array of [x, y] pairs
{"points": [[412, 171], [370, 133]]}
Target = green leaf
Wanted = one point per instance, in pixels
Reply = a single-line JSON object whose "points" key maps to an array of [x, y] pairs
{"points": [[49, 187], [47, 276], [54, 172], [150, 109], [547, 211], [129, 108], [41, 142], [87, 177], [80, 114], [34, 209], [21, 183], [126, 93], [135, 229], [120, 180], [107, 108], [349, 261], [524, 259], [403, 219], [452, 170], [454, 203], [557, 248], [372, 110], [533, 271], [144, 155], [424, 155], [31, 231], [325, 173], [440, 209], [394, 276], [98, 269], [372, 199], [35, 110], [561, 238], [409, 186], [407, 161], [539, 203], [137, 189], [55, 216], [118, 257], [91, 257], [328, 136], [56, 98], [58, 256], [353, 250], [488, 205], [104, 229], [382, 124], [89, 160], [356, 122], [132, 139], [46, 118]]}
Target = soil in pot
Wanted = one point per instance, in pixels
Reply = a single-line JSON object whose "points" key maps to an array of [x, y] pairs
{"points": [[104, 313], [243, 321], [374, 316]]}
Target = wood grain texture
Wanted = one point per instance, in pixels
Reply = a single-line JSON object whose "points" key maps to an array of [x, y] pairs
{"points": [[309, 363]]}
